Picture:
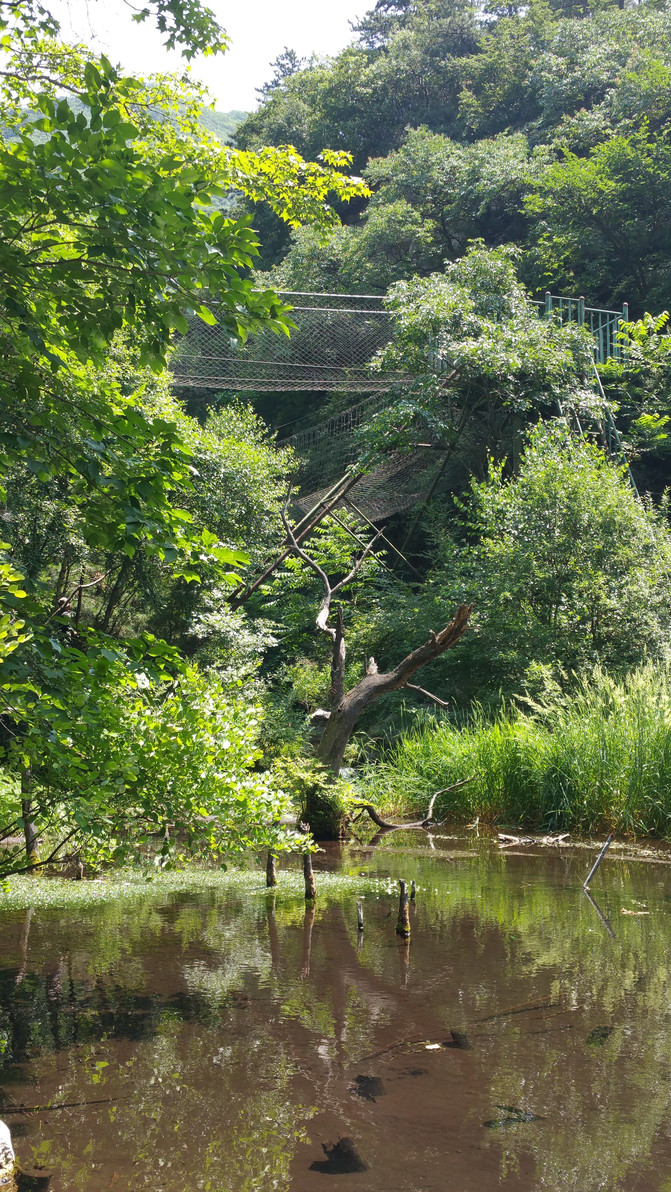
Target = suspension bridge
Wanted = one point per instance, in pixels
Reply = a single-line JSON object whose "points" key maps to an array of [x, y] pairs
{"points": [[337, 337], [332, 349]]}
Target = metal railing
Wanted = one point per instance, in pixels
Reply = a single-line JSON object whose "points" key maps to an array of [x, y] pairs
{"points": [[604, 325]]}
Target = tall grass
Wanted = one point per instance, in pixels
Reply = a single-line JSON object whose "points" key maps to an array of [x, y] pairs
{"points": [[597, 759]]}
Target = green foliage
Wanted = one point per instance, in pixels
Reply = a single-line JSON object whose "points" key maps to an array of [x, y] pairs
{"points": [[430, 198], [188, 24], [478, 357], [114, 233], [411, 81], [118, 756], [11, 625], [566, 568], [568, 559], [602, 220], [475, 320], [448, 104], [599, 758], [321, 801], [640, 386]]}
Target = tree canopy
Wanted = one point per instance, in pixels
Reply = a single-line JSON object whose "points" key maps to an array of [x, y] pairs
{"points": [[115, 231]]}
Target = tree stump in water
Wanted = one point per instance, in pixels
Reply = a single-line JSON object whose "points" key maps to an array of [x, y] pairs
{"points": [[342, 1158], [403, 921], [271, 869], [308, 874]]}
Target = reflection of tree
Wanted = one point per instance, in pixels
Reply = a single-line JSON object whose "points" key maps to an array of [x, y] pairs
{"points": [[218, 1010]]}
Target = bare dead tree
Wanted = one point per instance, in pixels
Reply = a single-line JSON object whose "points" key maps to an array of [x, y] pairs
{"points": [[347, 707], [346, 713], [335, 632]]}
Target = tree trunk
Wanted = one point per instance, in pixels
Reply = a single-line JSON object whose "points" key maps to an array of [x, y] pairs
{"points": [[345, 716], [338, 661], [29, 829]]}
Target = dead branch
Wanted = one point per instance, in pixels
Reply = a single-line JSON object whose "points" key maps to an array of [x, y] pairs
{"points": [[62, 1105], [425, 823], [330, 590], [374, 684], [304, 528], [64, 602], [428, 694]]}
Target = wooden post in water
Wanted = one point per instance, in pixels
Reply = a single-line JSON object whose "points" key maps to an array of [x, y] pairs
{"points": [[403, 922], [359, 916], [413, 890], [271, 869], [404, 962], [597, 863], [308, 874]]}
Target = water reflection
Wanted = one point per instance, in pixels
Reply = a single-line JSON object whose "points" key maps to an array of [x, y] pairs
{"points": [[232, 1040]]}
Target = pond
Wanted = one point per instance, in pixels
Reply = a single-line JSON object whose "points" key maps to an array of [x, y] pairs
{"points": [[201, 1033]]}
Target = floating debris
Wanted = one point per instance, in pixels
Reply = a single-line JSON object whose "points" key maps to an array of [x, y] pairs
{"points": [[342, 1158], [506, 839], [624, 911], [369, 1087], [512, 1116]]}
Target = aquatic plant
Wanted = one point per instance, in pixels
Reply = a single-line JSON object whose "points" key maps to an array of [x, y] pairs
{"points": [[597, 758]]}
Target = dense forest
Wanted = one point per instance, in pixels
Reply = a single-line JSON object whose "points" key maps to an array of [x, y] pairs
{"points": [[544, 125], [457, 163]]}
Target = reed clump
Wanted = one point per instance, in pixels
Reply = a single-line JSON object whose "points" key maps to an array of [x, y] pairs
{"points": [[597, 758]]}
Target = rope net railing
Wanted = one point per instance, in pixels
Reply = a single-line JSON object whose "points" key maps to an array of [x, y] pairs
{"points": [[335, 339], [390, 483], [331, 349]]}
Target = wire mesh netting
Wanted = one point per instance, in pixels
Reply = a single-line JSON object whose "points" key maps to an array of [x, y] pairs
{"points": [[335, 338], [393, 483]]}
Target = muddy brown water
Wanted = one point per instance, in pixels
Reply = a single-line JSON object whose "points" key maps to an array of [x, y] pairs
{"points": [[226, 1039]]}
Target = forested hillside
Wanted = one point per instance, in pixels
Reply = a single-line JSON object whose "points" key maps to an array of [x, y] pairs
{"points": [[546, 125], [507, 152], [222, 124]]}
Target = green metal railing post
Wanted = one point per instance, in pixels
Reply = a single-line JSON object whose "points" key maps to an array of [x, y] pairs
{"points": [[621, 351], [548, 304], [581, 312]]}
